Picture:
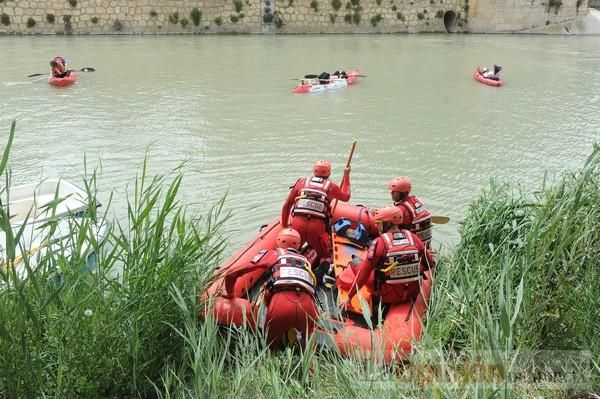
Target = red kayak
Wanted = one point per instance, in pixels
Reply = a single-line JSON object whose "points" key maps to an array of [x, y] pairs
{"points": [[491, 82], [349, 333], [313, 85], [67, 80]]}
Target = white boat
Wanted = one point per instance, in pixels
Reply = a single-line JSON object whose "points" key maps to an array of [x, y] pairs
{"points": [[50, 214]]}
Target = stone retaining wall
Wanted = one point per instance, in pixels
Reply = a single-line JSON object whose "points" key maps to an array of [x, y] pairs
{"points": [[506, 16], [281, 16], [357, 16], [130, 16]]}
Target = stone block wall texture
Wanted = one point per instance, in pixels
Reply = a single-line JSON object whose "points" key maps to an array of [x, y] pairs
{"points": [[498, 16], [281, 16], [362, 16], [130, 16]]}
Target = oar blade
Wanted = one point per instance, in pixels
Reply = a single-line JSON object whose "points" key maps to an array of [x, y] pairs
{"points": [[36, 74], [87, 70], [440, 219]]}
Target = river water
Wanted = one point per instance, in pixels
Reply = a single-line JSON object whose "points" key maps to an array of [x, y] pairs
{"points": [[224, 104]]}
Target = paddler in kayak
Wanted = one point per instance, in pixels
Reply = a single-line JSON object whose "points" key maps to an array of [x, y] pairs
{"points": [[307, 208], [289, 292], [324, 78], [492, 74], [399, 259], [58, 67]]}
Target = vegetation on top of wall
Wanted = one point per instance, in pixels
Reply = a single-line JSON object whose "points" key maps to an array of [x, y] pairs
{"points": [[278, 20], [174, 18], [375, 20], [30, 22], [50, 18], [556, 4], [238, 5], [5, 19], [314, 4], [196, 16], [67, 24], [268, 16], [336, 4], [117, 26], [73, 3]]}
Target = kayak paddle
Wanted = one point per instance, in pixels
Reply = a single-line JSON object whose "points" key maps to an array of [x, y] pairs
{"points": [[81, 70]]}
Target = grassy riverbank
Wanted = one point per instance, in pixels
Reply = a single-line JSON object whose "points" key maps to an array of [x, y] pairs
{"points": [[523, 278]]}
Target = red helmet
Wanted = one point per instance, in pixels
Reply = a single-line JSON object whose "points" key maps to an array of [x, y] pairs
{"points": [[400, 184], [389, 214], [322, 168], [289, 237]]}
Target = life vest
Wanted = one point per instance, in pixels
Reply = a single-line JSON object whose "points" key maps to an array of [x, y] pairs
{"points": [[421, 218], [402, 261], [313, 198], [291, 271]]}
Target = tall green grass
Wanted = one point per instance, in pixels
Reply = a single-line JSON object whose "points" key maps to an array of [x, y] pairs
{"points": [[109, 332], [524, 278]]}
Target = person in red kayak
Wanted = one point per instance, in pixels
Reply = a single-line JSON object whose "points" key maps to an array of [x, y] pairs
{"points": [[307, 207], [289, 292], [492, 74], [398, 258], [59, 67], [415, 215]]}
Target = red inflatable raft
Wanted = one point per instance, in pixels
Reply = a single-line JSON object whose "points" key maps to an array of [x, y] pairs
{"points": [[491, 82], [68, 80], [390, 341], [313, 85]]}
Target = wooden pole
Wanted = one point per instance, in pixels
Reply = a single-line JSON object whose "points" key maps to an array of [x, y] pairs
{"points": [[347, 166]]}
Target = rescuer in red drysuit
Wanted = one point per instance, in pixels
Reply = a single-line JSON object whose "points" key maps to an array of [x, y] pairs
{"points": [[307, 208], [289, 292], [398, 258], [416, 217], [58, 67]]}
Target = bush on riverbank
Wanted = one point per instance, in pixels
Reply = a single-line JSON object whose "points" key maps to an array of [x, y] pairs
{"points": [[524, 277], [98, 334]]}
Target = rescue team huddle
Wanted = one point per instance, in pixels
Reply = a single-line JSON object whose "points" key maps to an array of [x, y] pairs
{"points": [[398, 255]]}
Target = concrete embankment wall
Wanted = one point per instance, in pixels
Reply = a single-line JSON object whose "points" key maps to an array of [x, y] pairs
{"points": [[282, 16], [497, 16]]}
